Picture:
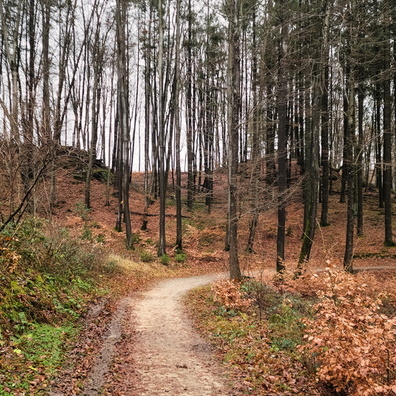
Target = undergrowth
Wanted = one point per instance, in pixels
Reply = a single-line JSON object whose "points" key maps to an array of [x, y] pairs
{"points": [[46, 280], [330, 333], [256, 330]]}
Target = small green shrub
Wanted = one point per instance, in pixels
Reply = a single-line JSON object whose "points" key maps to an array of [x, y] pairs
{"points": [[165, 259], [180, 257], [82, 210], [101, 238], [87, 234], [285, 327], [146, 257]]}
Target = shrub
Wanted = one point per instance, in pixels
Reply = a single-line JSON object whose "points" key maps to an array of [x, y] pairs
{"points": [[146, 257], [180, 257], [228, 292], [46, 279], [350, 343], [165, 259]]}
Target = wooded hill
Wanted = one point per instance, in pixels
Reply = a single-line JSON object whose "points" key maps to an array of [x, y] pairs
{"points": [[266, 90]]}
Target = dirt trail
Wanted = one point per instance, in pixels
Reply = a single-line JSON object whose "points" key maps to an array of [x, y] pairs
{"points": [[168, 356], [151, 348], [171, 359]]}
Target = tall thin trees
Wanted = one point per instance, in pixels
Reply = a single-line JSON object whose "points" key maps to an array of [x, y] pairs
{"points": [[161, 131], [124, 169]]}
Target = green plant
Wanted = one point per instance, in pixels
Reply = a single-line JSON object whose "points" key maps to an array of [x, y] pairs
{"points": [[136, 238], [180, 257], [165, 259], [146, 257], [46, 279], [43, 344], [101, 238], [87, 233], [83, 211], [285, 326]]}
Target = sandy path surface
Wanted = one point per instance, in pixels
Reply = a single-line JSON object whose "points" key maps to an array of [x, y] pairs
{"points": [[171, 359], [152, 349]]}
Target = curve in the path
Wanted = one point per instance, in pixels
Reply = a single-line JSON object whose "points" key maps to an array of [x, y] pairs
{"points": [[170, 358]]}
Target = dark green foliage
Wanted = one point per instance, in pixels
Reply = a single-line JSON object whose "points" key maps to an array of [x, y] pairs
{"points": [[46, 280], [43, 279]]}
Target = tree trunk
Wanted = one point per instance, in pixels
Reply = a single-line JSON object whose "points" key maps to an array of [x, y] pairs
{"points": [[233, 125], [387, 173], [349, 169], [179, 224], [161, 134], [282, 144], [359, 162]]}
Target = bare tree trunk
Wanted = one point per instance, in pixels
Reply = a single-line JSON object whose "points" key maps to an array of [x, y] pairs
{"points": [[387, 173], [233, 125], [189, 115], [161, 134], [359, 159], [282, 145], [349, 170], [179, 224], [256, 157], [95, 106]]}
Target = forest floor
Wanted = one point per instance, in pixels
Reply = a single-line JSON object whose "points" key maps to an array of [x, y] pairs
{"points": [[151, 348], [147, 344]]}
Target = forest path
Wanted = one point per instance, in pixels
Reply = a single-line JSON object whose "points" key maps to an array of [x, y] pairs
{"points": [[159, 352], [152, 349]]}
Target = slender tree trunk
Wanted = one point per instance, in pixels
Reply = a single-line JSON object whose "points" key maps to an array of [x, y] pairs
{"points": [[189, 115], [233, 125], [255, 158], [311, 180], [359, 162], [161, 134], [123, 118], [28, 146], [282, 145], [95, 106], [179, 224], [325, 119], [349, 169], [387, 173]]}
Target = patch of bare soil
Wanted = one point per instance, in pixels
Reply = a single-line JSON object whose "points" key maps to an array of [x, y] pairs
{"points": [[152, 349]]}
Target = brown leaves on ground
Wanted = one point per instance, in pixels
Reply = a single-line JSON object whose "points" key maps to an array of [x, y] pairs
{"points": [[347, 333]]}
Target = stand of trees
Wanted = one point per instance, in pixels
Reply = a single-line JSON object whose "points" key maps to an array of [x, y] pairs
{"points": [[199, 86]]}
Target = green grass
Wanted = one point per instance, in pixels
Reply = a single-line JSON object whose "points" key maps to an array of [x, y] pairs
{"points": [[43, 345], [47, 279]]}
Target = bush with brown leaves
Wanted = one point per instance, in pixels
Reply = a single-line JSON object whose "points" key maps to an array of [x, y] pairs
{"points": [[349, 342], [229, 294]]}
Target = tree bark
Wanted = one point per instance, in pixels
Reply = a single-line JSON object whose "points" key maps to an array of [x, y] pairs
{"points": [[233, 134], [282, 143]]}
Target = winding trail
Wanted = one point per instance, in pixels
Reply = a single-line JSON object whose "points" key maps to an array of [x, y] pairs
{"points": [[151, 348], [156, 350], [171, 359]]}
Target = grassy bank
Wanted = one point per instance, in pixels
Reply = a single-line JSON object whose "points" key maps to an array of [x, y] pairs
{"points": [[47, 281]]}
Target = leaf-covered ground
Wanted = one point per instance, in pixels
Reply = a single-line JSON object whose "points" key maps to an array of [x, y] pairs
{"points": [[54, 311], [327, 333]]}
